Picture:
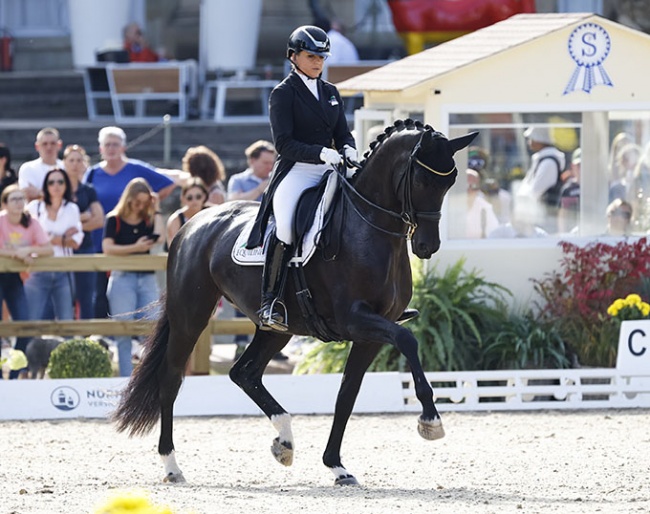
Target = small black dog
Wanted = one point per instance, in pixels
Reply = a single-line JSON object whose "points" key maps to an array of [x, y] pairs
{"points": [[38, 353]]}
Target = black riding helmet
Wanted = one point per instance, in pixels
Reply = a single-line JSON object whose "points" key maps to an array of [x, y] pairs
{"points": [[310, 39]]}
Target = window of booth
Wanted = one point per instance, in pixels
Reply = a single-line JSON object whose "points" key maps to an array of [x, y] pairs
{"points": [[508, 187]]}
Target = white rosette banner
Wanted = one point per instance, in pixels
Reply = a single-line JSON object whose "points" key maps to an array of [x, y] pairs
{"points": [[589, 46]]}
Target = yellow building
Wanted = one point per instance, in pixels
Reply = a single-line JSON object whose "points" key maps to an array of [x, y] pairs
{"points": [[580, 76]]}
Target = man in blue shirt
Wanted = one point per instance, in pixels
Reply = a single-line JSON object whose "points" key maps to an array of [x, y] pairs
{"points": [[109, 178], [251, 183]]}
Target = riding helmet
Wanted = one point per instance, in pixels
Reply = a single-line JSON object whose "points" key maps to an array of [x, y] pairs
{"points": [[309, 38]]}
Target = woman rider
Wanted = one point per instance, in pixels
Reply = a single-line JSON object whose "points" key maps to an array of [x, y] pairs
{"points": [[309, 129]]}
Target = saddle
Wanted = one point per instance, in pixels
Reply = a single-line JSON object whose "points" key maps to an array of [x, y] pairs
{"points": [[312, 216]]}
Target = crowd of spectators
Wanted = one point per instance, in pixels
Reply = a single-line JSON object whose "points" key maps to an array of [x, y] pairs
{"points": [[62, 204], [546, 199]]}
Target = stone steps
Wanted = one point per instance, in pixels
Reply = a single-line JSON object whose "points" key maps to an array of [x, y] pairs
{"points": [[30, 101], [45, 95]]}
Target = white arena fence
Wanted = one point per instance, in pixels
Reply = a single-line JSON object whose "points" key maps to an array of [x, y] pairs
{"points": [[392, 392]]}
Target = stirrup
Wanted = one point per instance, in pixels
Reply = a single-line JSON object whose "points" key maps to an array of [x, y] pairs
{"points": [[271, 319]]}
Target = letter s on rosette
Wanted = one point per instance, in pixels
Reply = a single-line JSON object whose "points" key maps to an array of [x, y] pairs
{"points": [[589, 46]]}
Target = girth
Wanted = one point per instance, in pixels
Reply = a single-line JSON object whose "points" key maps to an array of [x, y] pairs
{"points": [[316, 325]]}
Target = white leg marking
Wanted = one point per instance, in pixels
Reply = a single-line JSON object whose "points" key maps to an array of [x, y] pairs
{"points": [[282, 424], [339, 472], [343, 476], [282, 447], [172, 472]]}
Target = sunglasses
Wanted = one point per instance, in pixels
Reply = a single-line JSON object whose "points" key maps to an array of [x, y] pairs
{"points": [[58, 181], [189, 198], [623, 214], [16, 199]]}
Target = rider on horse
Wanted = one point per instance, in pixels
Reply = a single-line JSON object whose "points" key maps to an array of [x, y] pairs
{"points": [[309, 130]]}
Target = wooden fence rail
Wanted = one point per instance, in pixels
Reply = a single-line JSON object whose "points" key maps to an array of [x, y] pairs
{"points": [[112, 327]]}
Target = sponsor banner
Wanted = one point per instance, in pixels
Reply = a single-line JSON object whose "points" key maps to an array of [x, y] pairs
{"points": [[199, 396]]}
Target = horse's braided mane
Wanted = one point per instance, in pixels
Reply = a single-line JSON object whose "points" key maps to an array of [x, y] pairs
{"points": [[398, 126]]}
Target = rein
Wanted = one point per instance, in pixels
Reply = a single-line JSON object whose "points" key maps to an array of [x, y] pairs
{"points": [[348, 187], [409, 215]]}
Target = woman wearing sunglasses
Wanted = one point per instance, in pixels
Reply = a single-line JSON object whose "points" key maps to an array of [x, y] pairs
{"points": [[194, 197], [59, 217]]}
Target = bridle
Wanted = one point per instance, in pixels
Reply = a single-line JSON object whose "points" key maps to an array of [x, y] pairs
{"points": [[409, 215]]}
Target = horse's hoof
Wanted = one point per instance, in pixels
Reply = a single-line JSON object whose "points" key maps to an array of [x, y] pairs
{"points": [[282, 451], [431, 429], [174, 478], [346, 480]]}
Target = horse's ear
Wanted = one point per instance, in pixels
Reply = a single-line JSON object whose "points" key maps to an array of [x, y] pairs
{"points": [[463, 141], [427, 138]]}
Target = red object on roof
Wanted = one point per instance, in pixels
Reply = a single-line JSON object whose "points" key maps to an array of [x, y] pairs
{"points": [[453, 15]]}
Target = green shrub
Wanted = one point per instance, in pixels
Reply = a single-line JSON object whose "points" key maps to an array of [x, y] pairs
{"points": [[80, 358], [324, 358], [458, 311], [524, 342]]}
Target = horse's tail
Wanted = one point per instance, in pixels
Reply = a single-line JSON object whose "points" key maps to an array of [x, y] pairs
{"points": [[139, 407]]}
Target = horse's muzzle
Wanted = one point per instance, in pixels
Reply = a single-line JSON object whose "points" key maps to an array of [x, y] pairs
{"points": [[424, 250]]}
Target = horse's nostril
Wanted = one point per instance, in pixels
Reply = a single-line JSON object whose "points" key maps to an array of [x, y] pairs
{"points": [[433, 248]]}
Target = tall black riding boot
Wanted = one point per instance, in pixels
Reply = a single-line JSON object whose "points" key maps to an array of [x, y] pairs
{"points": [[273, 314]]}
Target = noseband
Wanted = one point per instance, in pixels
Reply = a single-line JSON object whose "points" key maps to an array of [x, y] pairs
{"points": [[409, 215]]}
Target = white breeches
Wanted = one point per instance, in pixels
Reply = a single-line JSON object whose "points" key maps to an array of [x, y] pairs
{"points": [[286, 196]]}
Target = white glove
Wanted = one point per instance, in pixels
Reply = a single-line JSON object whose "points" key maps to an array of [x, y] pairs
{"points": [[330, 156], [351, 153]]}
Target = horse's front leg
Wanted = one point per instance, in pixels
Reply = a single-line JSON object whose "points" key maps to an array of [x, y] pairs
{"points": [[373, 327], [429, 423], [361, 356], [247, 374]]}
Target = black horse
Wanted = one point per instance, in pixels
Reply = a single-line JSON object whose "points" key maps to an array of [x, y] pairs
{"points": [[396, 196]]}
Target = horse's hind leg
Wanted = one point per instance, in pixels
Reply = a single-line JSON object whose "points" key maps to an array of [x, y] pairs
{"points": [[247, 374], [186, 322], [361, 356]]}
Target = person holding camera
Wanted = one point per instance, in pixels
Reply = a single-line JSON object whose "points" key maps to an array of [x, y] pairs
{"points": [[132, 228]]}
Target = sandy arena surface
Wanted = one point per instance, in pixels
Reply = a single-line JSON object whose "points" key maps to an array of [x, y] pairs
{"points": [[568, 462]]}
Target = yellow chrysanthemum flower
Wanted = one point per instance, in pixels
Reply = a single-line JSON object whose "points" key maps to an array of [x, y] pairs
{"points": [[632, 307], [131, 503]]}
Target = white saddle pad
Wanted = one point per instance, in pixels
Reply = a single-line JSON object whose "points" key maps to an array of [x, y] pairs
{"points": [[255, 257]]}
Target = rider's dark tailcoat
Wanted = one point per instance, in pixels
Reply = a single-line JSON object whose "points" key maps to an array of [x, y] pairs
{"points": [[301, 126]]}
